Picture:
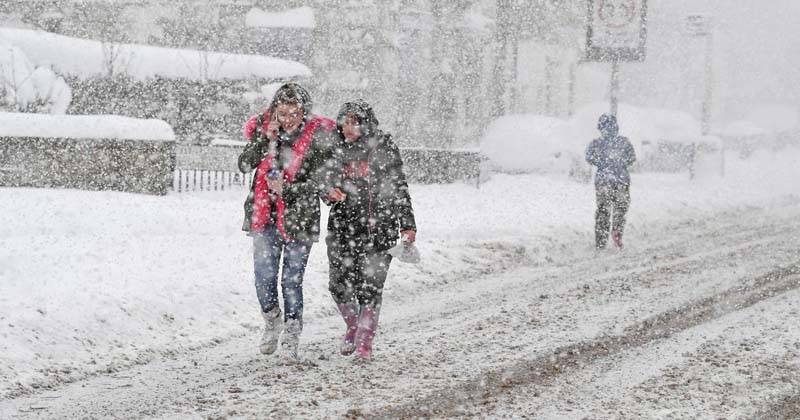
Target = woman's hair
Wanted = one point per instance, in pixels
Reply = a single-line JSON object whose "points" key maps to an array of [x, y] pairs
{"points": [[292, 93]]}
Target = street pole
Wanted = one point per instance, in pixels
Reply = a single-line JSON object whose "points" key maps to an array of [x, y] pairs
{"points": [[614, 90], [700, 25], [709, 96], [709, 85]]}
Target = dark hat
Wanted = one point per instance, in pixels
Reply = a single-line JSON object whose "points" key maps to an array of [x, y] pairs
{"points": [[607, 121], [607, 124], [363, 112]]}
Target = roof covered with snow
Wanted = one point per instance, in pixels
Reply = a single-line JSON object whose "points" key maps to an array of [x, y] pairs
{"points": [[83, 127], [87, 58], [301, 17]]}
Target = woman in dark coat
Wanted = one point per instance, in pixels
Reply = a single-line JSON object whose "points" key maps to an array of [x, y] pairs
{"points": [[371, 210]]}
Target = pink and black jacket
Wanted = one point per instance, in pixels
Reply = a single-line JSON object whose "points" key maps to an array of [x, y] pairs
{"points": [[309, 173]]}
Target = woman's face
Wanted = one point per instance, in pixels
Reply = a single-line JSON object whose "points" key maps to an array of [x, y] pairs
{"points": [[290, 116], [351, 128]]}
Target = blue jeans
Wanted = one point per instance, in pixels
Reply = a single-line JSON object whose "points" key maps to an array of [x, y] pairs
{"points": [[267, 249]]}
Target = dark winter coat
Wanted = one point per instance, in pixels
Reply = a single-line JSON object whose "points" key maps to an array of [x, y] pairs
{"points": [[314, 179], [378, 204], [612, 154]]}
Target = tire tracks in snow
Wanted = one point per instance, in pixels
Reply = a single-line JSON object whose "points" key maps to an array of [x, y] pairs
{"points": [[542, 369], [440, 318], [786, 409]]}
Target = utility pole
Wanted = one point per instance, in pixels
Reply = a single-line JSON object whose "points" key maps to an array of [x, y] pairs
{"points": [[498, 92], [708, 96], [700, 25]]}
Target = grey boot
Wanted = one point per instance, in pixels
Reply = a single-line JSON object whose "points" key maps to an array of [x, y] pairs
{"points": [[273, 325], [291, 337]]}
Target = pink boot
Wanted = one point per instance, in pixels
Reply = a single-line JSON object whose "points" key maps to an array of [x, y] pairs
{"points": [[616, 236], [367, 325], [349, 313]]}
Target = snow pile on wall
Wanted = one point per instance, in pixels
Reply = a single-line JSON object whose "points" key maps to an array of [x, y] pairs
{"points": [[30, 88], [638, 124], [529, 143], [301, 17], [761, 122], [546, 144], [742, 128], [87, 58], [83, 127], [774, 118]]}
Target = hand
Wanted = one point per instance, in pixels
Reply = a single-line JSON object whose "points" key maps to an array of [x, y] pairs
{"points": [[408, 236], [272, 129], [336, 195], [275, 186]]}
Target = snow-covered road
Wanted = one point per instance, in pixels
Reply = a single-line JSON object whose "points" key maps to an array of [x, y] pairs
{"points": [[699, 322], [124, 305]]}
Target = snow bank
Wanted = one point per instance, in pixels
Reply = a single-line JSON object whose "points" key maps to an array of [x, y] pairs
{"points": [[87, 58], [742, 128], [762, 120], [638, 124], [83, 127], [530, 142], [301, 17], [774, 118]]}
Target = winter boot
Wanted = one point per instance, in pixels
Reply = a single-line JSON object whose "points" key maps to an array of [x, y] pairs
{"points": [[616, 236], [349, 313], [291, 337], [273, 325], [367, 324]]}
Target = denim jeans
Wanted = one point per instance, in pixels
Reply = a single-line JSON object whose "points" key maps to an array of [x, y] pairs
{"points": [[267, 249]]}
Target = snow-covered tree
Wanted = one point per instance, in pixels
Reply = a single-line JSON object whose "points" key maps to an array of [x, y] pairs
{"points": [[26, 88]]}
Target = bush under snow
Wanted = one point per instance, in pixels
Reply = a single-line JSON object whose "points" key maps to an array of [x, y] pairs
{"points": [[27, 88]]}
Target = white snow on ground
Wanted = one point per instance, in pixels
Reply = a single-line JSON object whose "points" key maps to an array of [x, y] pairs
{"points": [[83, 126], [87, 58], [91, 281], [300, 17]]}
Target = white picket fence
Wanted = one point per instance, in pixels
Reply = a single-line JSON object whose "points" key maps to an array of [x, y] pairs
{"points": [[185, 180]]}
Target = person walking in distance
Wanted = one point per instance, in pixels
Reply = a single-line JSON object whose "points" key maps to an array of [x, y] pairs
{"points": [[290, 150], [612, 155]]}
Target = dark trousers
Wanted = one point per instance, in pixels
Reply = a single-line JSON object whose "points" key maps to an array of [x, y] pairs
{"points": [[357, 270], [610, 199]]}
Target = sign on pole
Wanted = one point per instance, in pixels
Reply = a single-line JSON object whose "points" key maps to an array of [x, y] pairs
{"points": [[617, 30], [698, 25]]}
